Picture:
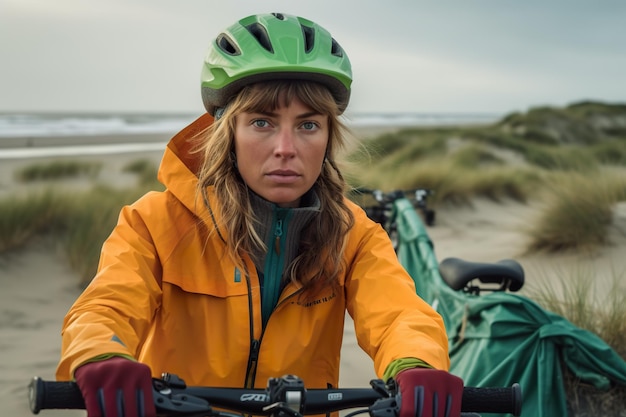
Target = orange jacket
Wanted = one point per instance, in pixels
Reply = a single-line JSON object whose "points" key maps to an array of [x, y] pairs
{"points": [[166, 295]]}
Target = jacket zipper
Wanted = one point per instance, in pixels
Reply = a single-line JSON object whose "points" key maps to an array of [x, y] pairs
{"points": [[278, 233], [253, 360], [274, 265], [255, 344]]}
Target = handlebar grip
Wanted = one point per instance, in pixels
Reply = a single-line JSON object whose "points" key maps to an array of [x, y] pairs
{"points": [[493, 400], [54, 395]]}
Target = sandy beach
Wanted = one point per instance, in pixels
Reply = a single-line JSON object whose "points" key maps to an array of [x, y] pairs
{"points": [[38, 287]]}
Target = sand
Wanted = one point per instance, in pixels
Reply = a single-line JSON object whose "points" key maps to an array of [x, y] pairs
{"points": [[37, 286]]}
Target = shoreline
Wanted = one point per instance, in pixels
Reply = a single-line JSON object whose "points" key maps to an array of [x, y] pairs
{"points": [[71, 146], [55, 140], [81, 140]]}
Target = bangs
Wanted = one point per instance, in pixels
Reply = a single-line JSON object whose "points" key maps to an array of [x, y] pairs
{"points": [[270, 96]]}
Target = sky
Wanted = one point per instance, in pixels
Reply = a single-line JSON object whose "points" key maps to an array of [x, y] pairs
{"points": [[463, 56]]}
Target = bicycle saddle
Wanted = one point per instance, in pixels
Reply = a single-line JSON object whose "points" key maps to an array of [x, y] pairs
{"points": [[458, 273]]}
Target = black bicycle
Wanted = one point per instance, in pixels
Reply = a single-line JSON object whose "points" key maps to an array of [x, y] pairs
{"points": [[389, 208], [284, 397], [383, 209]]}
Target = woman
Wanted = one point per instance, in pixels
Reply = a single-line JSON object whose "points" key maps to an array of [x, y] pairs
{"points": [[244, 267]]}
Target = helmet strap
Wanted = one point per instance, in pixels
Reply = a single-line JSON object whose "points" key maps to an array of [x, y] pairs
{"points": [[219, 112]]}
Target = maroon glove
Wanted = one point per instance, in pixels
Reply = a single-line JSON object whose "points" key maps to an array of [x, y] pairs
{"points": [[116, 387], [428, 392]]}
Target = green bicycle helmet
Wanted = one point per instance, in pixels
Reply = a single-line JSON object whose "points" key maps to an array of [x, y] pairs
{"points": [[273, 46]]}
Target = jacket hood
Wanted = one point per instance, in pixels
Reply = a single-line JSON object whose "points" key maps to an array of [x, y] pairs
{"points": [[179, 167]]}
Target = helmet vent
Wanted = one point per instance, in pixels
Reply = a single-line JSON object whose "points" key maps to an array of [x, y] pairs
{"points": [[227, 45], [278, 16], [309, 38], [336, 50], [260, 34]]}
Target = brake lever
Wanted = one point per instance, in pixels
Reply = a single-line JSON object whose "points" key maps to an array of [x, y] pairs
{"points": [[168, 401], [385, 407], [388, 406], [281, 409], [287, 395]]}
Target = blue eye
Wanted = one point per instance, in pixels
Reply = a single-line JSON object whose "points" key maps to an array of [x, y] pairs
{"points": [[260, 123], [309, 125]]}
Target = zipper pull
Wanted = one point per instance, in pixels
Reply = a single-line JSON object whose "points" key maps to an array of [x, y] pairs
{"points": [[278, 232], [254, 351], [255, 346]]}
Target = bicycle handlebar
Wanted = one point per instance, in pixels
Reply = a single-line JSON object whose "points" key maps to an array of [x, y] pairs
{"points": [[173, 398], [419, 194]]}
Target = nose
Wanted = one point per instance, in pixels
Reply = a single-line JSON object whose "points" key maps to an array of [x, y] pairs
{"points": [[285, 143]]}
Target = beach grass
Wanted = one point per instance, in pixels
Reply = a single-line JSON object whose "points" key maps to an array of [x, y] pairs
{"points": [[80, 220], [454, 181], [24, 217], [58, 170], [611, 152], [576, 205], [145, 169], [574, 296], [93, 216], [550, 156], [577, 211]]}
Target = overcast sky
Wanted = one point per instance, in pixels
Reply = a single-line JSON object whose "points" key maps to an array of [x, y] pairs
{"points": [[493, 56]]}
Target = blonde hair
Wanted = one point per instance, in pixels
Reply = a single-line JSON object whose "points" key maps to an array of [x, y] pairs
{"points": [[319, 261]]}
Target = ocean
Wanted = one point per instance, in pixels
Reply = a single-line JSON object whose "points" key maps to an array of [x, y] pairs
{"points": [[41, 126]]}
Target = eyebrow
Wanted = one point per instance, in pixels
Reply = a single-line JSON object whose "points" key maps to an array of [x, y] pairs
{"points": [[300, 116]]}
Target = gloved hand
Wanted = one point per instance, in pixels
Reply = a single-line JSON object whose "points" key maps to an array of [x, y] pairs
{"points": [[116, 387], [429, 393]]}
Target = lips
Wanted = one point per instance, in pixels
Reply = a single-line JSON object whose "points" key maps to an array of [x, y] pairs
{"points": [[284, 172], [283, 175]]}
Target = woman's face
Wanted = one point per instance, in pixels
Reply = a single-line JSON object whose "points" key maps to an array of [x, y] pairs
{"points": [[280, 153]]}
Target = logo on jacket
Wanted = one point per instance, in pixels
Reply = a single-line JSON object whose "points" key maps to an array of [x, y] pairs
{"points": [[321, 300]]}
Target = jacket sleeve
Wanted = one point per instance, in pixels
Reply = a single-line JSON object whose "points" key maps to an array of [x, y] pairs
{"points": [[391, 321], [112, 316]]}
